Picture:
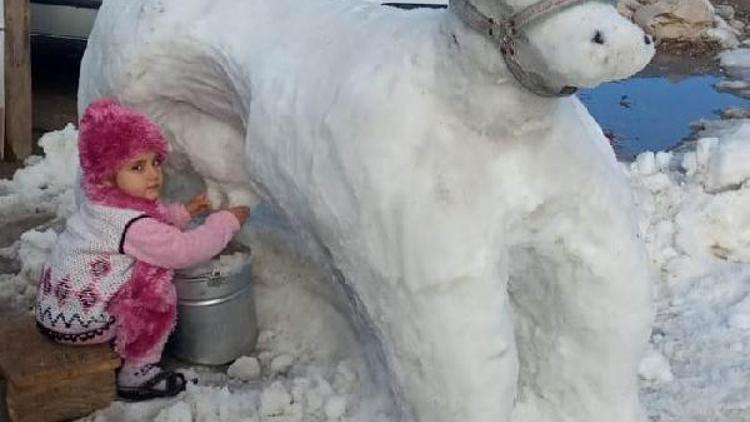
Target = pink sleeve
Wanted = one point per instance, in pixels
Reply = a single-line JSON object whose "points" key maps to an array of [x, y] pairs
{"points": [[166, 246], [178, 215]]}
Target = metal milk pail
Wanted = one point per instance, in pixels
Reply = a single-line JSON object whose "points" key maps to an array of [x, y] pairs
{"points": [[216, 320]]}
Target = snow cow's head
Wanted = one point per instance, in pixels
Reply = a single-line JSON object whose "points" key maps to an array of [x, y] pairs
{"points": [[582, 45]]}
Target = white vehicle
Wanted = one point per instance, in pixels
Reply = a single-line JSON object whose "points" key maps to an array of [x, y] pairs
{"points": [[72, 20], [63, 20]]}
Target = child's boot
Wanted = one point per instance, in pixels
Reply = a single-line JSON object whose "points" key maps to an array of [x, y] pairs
{"points": [[145, 382]]}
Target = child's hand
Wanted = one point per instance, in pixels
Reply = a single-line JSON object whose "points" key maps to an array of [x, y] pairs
{"points": [[198, 205], [241, 213]]}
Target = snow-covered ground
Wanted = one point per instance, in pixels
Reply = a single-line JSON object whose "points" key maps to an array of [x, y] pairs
{"points": [[696, 226], [310, 363]]}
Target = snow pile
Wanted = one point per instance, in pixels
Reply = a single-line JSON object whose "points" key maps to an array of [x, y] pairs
{"points": [[230, 264], [226, 264], [697, 200], [695, 222], [739, 57], [38, 194], [33, 249], [43, 185], [246, 368], [17, 291], [309, 366], [737, 63]]}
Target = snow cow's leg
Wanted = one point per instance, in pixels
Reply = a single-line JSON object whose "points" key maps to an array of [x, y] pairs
{"points": [[582, 305], [442, 310], [452, 351]]}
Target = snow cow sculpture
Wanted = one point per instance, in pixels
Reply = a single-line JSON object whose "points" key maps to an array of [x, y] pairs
{"points": [[476, 211]]}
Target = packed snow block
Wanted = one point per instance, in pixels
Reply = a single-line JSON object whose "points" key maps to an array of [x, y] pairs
{"points": [[486, 234], [46, 381]]}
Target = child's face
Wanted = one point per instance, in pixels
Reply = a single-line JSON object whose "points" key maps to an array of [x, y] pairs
{"points": [[141, 176]]}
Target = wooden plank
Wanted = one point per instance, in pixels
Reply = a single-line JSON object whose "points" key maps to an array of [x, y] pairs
{"points": [[63, 401], [28, 358], [18, 141]]}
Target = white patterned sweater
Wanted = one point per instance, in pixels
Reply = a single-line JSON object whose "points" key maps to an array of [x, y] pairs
{"points": [[86, 268]]}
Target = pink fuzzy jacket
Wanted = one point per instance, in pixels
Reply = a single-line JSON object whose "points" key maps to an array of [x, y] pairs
{"points": [[88, 277], [167, 246]]}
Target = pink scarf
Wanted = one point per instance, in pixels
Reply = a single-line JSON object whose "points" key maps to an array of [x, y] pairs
{"points": [[146, 307]]}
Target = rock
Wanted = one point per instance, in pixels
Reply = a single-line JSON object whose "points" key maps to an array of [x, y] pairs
{"points": [[735, 113], [655, 367], [691, 21], [722, 33], [628, 7], [646, 163], [246, 368], [676, 19], [725, 11], [281, 364], [733, 86], [335, 407], [738, 25], [274, 400], [735, 58]]}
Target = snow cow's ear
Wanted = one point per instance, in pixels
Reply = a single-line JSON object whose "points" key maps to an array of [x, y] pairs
{"points": [[586, 45]]}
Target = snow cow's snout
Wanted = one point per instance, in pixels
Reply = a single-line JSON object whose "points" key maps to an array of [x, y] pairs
{"points": [[589, 44]]}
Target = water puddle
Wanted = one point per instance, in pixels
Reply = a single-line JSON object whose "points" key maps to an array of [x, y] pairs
{"points": [[654, 112]]}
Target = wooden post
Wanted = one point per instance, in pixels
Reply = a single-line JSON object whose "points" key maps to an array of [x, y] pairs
{"points": [[2, 82], [18, 140]]}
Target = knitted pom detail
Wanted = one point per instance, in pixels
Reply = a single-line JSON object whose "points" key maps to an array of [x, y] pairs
{"points": [[109, 135]]}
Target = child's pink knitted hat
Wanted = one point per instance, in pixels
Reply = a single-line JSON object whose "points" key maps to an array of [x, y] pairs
{"points": [[111, 134]]}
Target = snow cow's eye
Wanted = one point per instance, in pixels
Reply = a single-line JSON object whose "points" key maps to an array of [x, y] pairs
{"points": [[598, 37]]}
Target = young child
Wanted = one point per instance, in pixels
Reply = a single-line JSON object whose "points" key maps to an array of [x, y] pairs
{"points": [[109, 276]]}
